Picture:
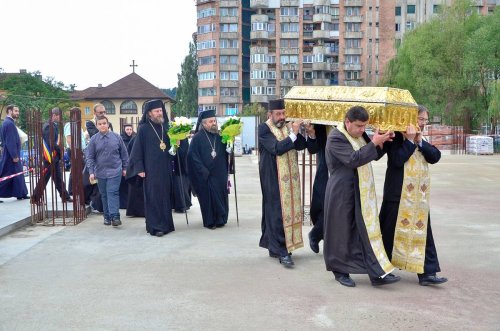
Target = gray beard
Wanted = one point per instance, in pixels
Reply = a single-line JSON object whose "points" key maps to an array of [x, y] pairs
{"points": [[159, 120]]}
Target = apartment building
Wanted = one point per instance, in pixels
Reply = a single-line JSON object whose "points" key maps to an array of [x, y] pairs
{"points": [[272, 45], [223, 50]]}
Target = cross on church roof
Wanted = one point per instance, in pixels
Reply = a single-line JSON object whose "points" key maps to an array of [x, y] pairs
{"points": [[133, 65]]}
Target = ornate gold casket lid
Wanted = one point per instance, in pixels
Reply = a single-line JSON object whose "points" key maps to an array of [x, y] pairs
{"points": [[389, 108]]}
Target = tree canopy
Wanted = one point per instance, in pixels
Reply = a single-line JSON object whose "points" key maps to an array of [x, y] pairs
{"points": [[451, 64], [187, 85]]}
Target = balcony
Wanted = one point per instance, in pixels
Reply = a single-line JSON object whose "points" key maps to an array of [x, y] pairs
{"points": [[229, 51], [259, 4], [353, 51], [319, 18], [229, 35], [320, 82], [353, 83], [353, 19], [290, 35], [259, 18], [321, 66], [259, 66], [354, 3], [289, 19], [229, 19], [229, 99], [201, 2], [321, 3], [321, 34], [259, 35], [353, 34], [289, 51], [229, 67], [288, 82], [292, 67], [352, 66], [334, 66], [261, 98], [259, 50], [290, 3], [229, 83], [307, 17], [229, 3]]}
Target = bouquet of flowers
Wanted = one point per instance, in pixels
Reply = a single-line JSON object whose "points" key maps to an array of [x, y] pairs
{"points": [[231, 128], [179, 130]]}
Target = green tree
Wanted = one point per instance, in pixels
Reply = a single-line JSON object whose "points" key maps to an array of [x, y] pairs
{"points": [[254, 109], [187, 85], [29, 91], [436, 65]]}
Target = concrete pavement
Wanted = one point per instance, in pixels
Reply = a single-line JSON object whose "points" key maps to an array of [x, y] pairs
{"points": [[92, 277]]}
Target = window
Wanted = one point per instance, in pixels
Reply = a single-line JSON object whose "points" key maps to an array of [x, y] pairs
{"points": [[228, 43], [349, 75], [206, 12], [228, 59], [271, 75], [335, 12], [259, 26], [205, 44], [322, 9], [353, 27], [87, 110], [231, 109], [233, 27], [436, 9], [207, 60], [318, 58], [289, 11], [352, 11], [398, 11], [307, 59], [209, 75], [128, 107], [289, 75], [353, 43], [258, 58], [258, 74], [289, 27], [228, 11], [229, 75], [229, 91], [258, 90], [289, 43], [398, 27], [110, 107], [410, 25], [410, 9], [271, 59], [308, 75], [271, 90], [289, 59], [206, 28], [209, 107], [207, 92], [352, 59]]}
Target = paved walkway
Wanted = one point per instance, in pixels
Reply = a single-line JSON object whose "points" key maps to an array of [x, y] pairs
{"points": [[92, 277]]}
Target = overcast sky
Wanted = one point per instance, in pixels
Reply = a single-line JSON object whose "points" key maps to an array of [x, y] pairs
{"points": [[87, 42]]}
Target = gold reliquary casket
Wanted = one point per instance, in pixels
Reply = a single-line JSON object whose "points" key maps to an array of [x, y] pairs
{"points": [[389, 108]]}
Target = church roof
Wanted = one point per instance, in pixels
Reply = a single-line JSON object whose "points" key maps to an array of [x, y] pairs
{"points": [[131, 86]]}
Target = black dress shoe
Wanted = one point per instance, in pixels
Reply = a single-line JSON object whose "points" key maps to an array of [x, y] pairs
{"points": [[286, 261], [389, 279], [159, 234], [68, 199], [345, 280], [432, 280], [313, 244], [116, 222], [220, 225], [107, 222], [24, 198], [212, 227]]}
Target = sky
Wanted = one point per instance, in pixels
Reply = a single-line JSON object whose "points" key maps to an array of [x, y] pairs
{"points": [[91, 42]]}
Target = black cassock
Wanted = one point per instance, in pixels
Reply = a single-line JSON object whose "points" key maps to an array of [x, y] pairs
{"points": [[14, 187], [180, 179], [146, 156], [123, 184], [135, 195], [209, 177], [398, 152], [346, 246], [319, 186], [273, 233]]}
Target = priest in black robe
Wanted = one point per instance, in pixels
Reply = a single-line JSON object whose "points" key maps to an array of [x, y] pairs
{"points": [[352, 239], [181, 197], [281, 225], [126, 135], [135, 194], [319, 187], [208, 171], [399, 152], [150, 165]]}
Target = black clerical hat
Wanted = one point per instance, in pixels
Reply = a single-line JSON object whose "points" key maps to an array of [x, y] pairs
{"points": [[276, 104], [202, 115], [153, 104]]}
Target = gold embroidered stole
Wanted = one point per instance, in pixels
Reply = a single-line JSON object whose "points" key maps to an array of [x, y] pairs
{"points": [[369, 208], [410, 235], [289, 184]]}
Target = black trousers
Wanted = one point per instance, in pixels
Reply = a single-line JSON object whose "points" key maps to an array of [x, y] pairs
{"points": [[57, 178]]}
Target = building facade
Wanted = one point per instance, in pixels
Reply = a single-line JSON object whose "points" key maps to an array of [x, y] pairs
{"points": [[223, 50], [284, 43]]}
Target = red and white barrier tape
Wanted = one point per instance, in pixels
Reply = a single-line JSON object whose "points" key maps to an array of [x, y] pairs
{"points": [[14, 175]]}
